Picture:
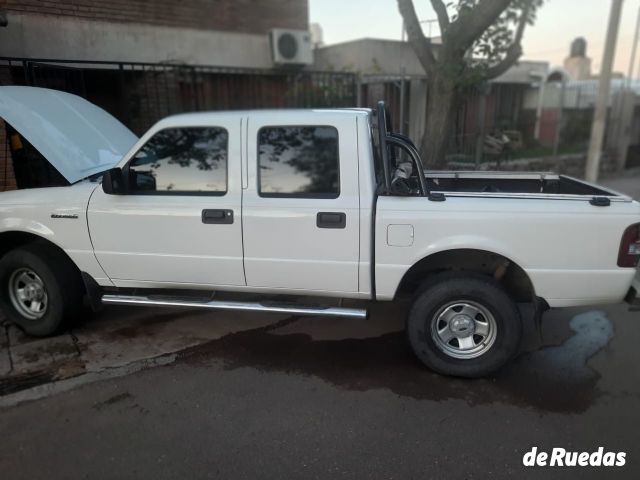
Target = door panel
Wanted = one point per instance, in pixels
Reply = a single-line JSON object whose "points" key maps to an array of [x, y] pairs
{"points": [[299, 243], [175, 238]]}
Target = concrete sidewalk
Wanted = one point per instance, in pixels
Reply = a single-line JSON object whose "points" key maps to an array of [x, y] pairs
{"points": [[115, 338]]}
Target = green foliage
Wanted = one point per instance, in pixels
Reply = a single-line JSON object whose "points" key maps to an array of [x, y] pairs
{"points": [[494, 45], [481, 40]]}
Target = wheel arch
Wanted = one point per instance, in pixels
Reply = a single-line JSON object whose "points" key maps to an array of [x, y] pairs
{"points": [[10, 240], [510, 275]]}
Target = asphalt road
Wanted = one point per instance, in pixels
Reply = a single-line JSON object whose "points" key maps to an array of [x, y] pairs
{"points": [[299, 400]]}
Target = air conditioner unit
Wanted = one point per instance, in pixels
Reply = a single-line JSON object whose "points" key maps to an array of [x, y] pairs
{"points": [[291, 47]]}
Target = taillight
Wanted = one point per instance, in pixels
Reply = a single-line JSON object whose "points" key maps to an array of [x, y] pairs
{"points": [[630, 247]]}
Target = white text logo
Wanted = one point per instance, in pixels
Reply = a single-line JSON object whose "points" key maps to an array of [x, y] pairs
{"points": [[559, 457]]}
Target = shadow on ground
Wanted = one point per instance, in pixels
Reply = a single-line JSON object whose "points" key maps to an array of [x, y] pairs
{"points": [[550, 378], [551, 375]]}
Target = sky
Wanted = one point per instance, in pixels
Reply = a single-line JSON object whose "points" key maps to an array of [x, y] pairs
{"points": [[558, 23]]}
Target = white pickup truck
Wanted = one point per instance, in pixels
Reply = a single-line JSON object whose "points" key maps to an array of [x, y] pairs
{"points": [[294, 203]]}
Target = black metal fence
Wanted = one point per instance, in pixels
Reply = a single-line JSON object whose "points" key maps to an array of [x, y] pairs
{"points": [[139, 94]]}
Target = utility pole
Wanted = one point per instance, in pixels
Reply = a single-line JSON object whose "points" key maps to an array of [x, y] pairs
{"points": [[626, 105], [540, 106], [634, 48], [559, 118], [604, 87]]}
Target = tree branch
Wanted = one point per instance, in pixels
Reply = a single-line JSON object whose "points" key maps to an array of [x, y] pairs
{"points": [[522, 23], [472, 23], [513, 55], [421, 45], [514, 52], [443, 16]]}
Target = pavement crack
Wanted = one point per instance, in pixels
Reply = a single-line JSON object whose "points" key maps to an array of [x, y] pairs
{"points": [[76, 343]]}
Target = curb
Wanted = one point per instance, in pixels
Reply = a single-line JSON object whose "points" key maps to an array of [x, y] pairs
{"points": [[48, 389]]}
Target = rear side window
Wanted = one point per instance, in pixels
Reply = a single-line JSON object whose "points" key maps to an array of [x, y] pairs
{"points": [[182, 161], [298, 162]]}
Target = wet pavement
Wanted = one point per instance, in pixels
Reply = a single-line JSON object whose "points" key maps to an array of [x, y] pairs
{"points": [[552, 377], [309, 397]]}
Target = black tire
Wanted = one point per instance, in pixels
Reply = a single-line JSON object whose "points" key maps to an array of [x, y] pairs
{"points": [[434, 311], [61, 281]]}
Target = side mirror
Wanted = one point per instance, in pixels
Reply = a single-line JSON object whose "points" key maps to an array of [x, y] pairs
{"points": [[113, 182]]}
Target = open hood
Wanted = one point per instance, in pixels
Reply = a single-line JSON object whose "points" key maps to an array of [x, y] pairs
{"points": [[78, 138]]}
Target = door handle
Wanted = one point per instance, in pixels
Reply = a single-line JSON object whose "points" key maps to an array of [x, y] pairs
{"points": [[218, 216], [331, 220]]}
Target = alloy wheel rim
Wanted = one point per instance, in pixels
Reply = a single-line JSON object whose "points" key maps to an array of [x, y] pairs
{"points": [[463, 329], [28, 294]]}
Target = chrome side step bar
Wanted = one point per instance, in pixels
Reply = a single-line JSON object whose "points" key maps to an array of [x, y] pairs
{"points": [[237, 306]]}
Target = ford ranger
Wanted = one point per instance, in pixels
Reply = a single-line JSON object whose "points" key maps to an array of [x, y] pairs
{"points": [[292, 204]]}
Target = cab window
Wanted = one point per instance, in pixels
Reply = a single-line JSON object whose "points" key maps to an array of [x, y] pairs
{"points": [[182, 161], [298, 162]]}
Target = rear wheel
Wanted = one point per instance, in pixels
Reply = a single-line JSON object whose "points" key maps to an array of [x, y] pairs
{"points": [[40, 290], [464, 325]]}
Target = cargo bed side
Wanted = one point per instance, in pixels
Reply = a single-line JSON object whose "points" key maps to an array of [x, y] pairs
{"points": [[515, 183]]}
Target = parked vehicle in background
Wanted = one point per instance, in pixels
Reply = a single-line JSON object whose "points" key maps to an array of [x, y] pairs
{"points": [[325, 203]]}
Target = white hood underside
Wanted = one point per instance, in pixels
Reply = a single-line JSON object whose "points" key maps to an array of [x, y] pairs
{"points": [[78, 138]]}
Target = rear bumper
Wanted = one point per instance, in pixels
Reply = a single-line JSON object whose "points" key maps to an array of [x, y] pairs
{"points": [[573, 288]]}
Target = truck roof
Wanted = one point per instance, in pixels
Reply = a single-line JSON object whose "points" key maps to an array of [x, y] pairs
{"points": [[276, 115]]}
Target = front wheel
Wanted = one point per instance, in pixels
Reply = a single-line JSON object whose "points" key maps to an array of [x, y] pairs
{"points": [[464, 325], [40, 290]]}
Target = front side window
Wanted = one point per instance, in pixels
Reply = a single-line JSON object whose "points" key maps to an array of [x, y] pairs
{"points": [[298, 162], [182, 160]]}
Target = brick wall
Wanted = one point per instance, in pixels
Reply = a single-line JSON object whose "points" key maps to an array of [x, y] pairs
{"points": [[7, 179], [249, 16]]}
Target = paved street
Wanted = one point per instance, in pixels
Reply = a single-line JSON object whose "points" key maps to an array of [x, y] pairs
{"points": [[321, 398]]}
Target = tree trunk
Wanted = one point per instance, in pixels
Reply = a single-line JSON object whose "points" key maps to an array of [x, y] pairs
{"points": [[441, 105]]}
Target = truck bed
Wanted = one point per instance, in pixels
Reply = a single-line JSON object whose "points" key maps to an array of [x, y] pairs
{"points": [[514, 183]]}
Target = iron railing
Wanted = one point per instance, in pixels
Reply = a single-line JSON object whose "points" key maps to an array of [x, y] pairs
{"points": [[141, 93]]}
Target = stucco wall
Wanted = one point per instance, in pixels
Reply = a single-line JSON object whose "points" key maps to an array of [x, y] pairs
{"points": [[38, 36], [221, 32], [370, 56]]}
